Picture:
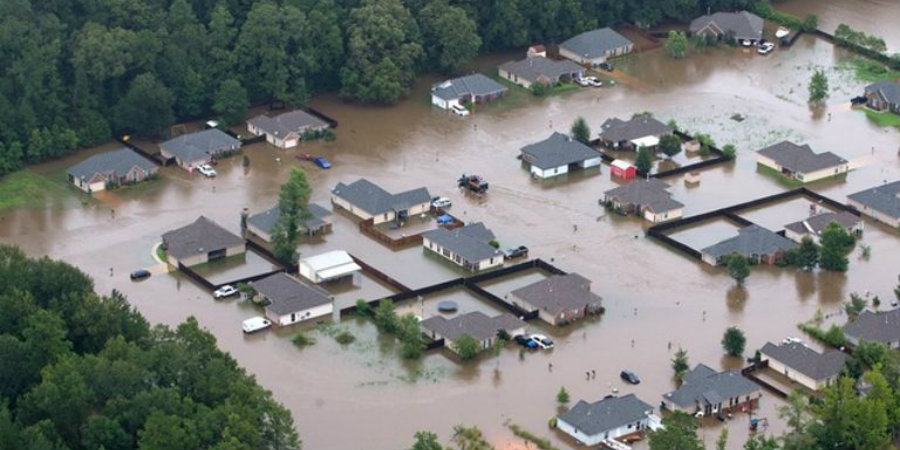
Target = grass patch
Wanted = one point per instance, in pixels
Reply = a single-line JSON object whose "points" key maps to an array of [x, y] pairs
{"points": [[883, 119], [542, 443], [161, 253], [26, 189], [301, 340], [345, 338], [780, 176], [867, 70]]}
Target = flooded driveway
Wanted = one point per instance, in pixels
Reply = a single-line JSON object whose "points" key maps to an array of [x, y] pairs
{"points": [[363, 395]]}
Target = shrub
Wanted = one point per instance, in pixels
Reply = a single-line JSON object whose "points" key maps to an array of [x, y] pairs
{"points": [[562, 397], [345, 338], [466, 347], [301, 340], [734, 341], [362, 308]]}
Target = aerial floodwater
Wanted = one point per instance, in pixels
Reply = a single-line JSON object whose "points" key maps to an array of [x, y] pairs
{"points": [[363, 395]]}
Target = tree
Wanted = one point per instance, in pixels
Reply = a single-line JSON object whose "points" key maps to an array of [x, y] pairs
{"points": [[807, 254], [231, 101], [644, 161], [670, 145], [761, 442], [410, 335], [426, 440], [562, 397], [679, 432], [734, 341], [722, 440], [818, 87], [448, 51], [147, 106], [676, 44], [580, 131], [738, 267], [680, 364], [847, 421], [729, 151], [810, 23], [469, 438], [466, 347], [855, 306], [836, 243], [386, 317], [293, 205]]}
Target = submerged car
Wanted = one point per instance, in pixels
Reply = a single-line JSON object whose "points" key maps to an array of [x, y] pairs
{"points": [[765, 48], [516, 252], [207, 170], [459, 110], [630, 377], [322, 162], [255, 324], [225, 291], [542, 341], [607, 66], [525, 341], [140, 274], [441, 202]]}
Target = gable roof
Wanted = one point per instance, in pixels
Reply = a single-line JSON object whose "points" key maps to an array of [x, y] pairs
{"points": [[884, 199], [475, 324], [476, 85], [595, 43], [889, 90], [652, 194], [532, 69], [704, 385], [751, 240], [296, 121], [117, 163], [605, 415], [817, 223], [265, 221], [641, 125], [374, 200], [469, 242], [559, 293], [881, 326], [198, 145], [743, 24], [287, 294], [800, 158], [201, 236], [557, 150], [818, 366]]}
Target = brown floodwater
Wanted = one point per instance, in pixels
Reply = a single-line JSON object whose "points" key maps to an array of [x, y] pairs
{"points": [[363, 395], [876, 17]]}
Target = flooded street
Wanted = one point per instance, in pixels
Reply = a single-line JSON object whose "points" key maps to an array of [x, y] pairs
{"points": [[363, 395]]}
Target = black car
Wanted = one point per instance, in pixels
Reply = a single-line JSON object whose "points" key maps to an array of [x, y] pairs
{"points": [[140, 274], [516, 252], [607, 66], [630, 377], [525, 341]]}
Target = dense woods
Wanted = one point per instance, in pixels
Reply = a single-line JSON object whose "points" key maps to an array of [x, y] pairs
{"points": [[81, 371], [75, 71]]}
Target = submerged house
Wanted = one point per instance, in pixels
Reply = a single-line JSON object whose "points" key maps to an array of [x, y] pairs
{"points": [[800, 162], [707, 392], [883, 96], [469, 246], [200, 242], [558, 153], [287, 129], [111, 169], [813, 226], [477, 325], [649, 199], [877, 326], [559, 299], [594, 47], [262, 224], [367, 200], [758, 244], [474, 88], [804, 365], [287, 300], [540, 70], [198, 148], [737, 26], [642, 130], [881, 203], [613, 417]]}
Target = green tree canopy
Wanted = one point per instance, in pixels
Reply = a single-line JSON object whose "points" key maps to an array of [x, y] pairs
{"points": [[670, 145], [818, 86], [644, 160], [679, 432], [231, 101], [738, 267], [449, 36], [466, 347], [581, 132], [677, 44], [836, 243], [734, 341]]}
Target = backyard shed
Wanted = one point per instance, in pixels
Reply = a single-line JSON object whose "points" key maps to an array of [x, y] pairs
{"points": [[329, 266], [623, 169]]}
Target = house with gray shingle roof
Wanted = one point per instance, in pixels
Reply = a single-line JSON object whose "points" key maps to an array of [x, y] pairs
{"points": [[475, 324], [758, 244], [287, 300], [556, 154], [559, 299], [647, 198], [468, 246], [880, 326], [474, 88], [367, 200], [642, 130], [541, 70], [198, 148], [262, 224], [109, 169], [703, 390], [800, 162], [595, 47], [881, 203], [883, 95], [813, 226], [804, 365], [287, 129], [739, 26], [610, 418], [200, 242]]}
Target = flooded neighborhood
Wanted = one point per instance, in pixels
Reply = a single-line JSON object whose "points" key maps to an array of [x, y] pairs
{"points": [[654, 298]]}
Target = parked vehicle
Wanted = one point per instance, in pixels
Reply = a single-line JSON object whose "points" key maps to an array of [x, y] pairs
{"points": [[444, 219], [583, 81], [255, 324], [441, 202], [630, 377], [305, 157], [525, 341], [473, 183], [225, 291], [747, 43], [459, 110], [607, 66], [765, 48], [322, 162], [140, 274], [782, 32], [542, 341], [596, 83], [207, 170], [515, 252]]}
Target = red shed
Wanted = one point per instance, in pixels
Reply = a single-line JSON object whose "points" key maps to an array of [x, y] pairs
{"points": [[623, 169]]}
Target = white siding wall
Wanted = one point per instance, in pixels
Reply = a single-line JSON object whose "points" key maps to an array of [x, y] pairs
{"points": [[352, 209], [767, 162], [877, 215], [307, 314], [515, 79], [595, 439], [547, 173], [593, 162], [662, 217], [825, 173], [792, 374]]}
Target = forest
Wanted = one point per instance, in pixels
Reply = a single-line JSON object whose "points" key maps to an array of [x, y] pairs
{"points": [[83, 371], [76, 72]]}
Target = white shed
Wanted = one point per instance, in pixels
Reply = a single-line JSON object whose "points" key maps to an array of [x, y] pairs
{"points": [[329, 266]]}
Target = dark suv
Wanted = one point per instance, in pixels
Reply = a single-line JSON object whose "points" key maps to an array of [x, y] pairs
{"points": [[630, 377]]}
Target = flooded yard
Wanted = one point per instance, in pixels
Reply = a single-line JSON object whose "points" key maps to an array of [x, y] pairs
{"points": [[656, 300]]}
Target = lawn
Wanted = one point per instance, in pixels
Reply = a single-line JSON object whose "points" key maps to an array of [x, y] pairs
{"points": [[884, 119], [868, 70], [26, 189]]}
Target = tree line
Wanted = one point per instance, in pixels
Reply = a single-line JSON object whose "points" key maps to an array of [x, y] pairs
{"points": [[76, 71], [83, 371]]}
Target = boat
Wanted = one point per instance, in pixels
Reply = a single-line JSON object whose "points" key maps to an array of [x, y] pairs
{"points": [[782, 32]]}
